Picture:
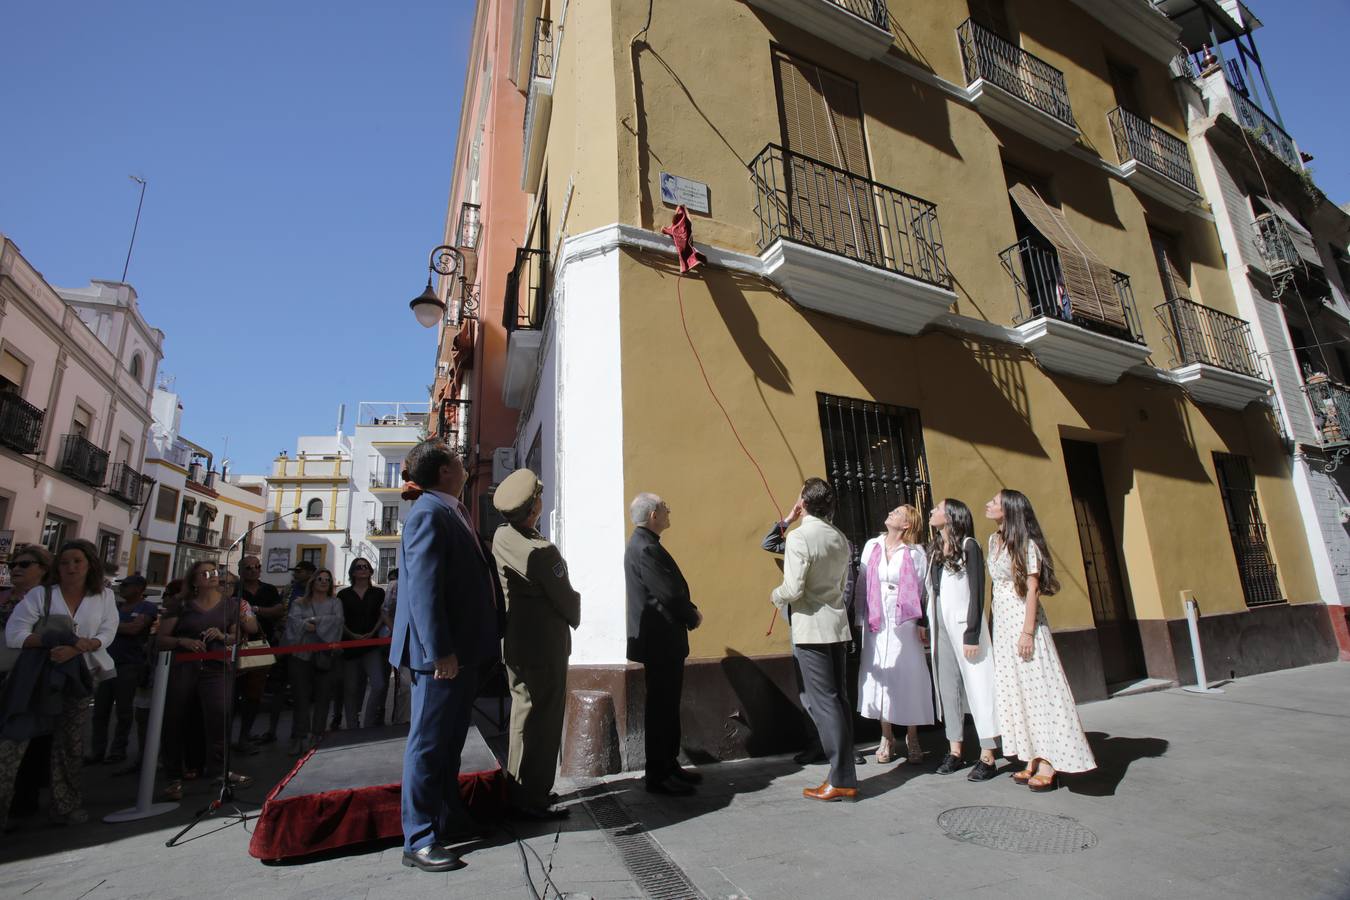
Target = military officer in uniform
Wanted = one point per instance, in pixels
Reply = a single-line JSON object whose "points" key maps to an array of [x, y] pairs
{"points": [[540, 608]]}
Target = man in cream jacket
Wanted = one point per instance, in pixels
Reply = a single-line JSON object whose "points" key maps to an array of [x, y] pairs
{"points": [[815, 566]]}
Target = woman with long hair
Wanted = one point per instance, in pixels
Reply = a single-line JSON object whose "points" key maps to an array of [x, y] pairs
{"points": [[201, 619], [893, 681], [362, 667], [314, 618], [76, 594], [1036, 710], [963, 664]]}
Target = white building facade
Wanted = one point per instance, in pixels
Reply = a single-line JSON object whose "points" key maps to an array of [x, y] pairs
{"points": [[76, 374], [198, 510], [1287, 248], [381, 440], [310, 496]]}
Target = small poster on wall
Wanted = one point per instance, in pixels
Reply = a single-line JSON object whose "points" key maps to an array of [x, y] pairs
{"points": [[278, 560], [6, 544]]}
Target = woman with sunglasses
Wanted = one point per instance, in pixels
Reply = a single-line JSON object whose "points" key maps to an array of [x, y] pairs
{"points": [[202, 620], [78, 595], [28, 568], [362, 667]]}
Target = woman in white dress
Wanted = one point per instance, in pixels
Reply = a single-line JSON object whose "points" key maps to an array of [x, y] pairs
{"points": [[893, 682], [963, 663], [1036, 710]]}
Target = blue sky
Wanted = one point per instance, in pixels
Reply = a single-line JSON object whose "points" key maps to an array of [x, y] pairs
{"points": [[299, 156]]}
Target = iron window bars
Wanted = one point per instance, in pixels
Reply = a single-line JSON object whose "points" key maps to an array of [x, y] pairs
{"points": [[1256, 569], [875, 459], [20, 423], [526, 290]]}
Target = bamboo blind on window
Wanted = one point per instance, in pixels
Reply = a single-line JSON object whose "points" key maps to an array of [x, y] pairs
{"points": [[822, 117], [1087, 280]]}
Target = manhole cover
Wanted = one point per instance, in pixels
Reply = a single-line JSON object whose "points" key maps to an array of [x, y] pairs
{"points": [[1016, 830]]}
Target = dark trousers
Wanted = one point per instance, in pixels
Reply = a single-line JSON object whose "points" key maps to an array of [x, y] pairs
{"points": [[206, 686], [431, 806], [824, 672], [119, 692], [313, 689], [665, 683]]}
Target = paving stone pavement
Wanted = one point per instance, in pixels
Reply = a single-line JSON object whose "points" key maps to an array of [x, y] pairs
{"points": [[1240, 794]]}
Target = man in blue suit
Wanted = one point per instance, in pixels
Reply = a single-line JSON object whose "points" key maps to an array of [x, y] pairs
{"points": [[445, 632]]}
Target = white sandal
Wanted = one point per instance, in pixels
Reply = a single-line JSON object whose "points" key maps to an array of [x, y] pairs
{"points": [[886, 751]]}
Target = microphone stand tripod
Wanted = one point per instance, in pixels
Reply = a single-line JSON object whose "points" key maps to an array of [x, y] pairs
{"points": [[226, 795]]}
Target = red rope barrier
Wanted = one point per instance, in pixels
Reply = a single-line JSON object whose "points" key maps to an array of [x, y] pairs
{"points": [[293, 648]]}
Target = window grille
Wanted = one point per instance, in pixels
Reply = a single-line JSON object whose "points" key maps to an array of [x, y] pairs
{"points": [[1256, 569], [875, 460]]}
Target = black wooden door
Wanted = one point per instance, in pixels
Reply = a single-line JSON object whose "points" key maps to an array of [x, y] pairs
{"points": [[1117, 630]]}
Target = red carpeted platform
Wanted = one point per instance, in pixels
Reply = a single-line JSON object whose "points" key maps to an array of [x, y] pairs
{"points": [[346, 792]]}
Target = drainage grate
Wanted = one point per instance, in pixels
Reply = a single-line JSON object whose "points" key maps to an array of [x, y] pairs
{"points": [[653, 870], [1017, 830]]}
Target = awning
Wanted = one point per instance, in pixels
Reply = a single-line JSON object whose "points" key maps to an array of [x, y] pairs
{"points": [[1087, 280], [1299, 236]]}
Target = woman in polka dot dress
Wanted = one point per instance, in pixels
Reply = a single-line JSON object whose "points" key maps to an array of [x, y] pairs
{"points": [[1036, 711]]}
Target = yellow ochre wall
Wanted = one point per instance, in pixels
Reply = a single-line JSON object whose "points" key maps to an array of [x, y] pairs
{"points": [[990, 418]]}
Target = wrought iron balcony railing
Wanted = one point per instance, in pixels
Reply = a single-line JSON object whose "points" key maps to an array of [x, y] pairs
{"points": [[83, 461], [470, 225], [814, 203], [129, 484], [1139, 139], [1203, 335], [1275, 244], [1039, 284], [20, 423], [527, 290], [1254, 119], [1000, 62], [384, 482], [201, 535], [1331, 411], [383, 529], [541, 52], [873, 11]]}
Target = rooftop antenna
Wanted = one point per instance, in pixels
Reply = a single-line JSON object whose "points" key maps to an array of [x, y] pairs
{"points": [[137, 224]]}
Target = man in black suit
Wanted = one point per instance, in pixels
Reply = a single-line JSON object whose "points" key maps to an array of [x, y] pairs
{"points": [[660, 617], [446, 630]]}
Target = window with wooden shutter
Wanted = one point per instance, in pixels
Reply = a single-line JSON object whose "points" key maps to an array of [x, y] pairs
{"points": [[992, 14], [1087, 281], [13, 372], [1165, 255], [825, 164]]}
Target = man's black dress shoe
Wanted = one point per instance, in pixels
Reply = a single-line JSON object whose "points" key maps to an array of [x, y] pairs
{"points": [[433, 859], [670, 787], [540, 813], [859, 759], [951, 763], [983, 771], [688, 776], [810, 756]]}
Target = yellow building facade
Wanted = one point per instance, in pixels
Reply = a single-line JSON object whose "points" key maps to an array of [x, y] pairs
{"points": [[950, 249]]}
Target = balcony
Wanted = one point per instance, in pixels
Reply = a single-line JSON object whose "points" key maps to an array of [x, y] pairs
{"points": [[384, 483], [1222, 96], [523, 314], [1010, 85], [1330, 404], [20, 423], [129, 484], [1153, 161], [452, 425], [200, 535], [1286, 257], [470, 226], [842, 244], [83, 461], [1139, 23], [862, 27], [383, 531], [1212, 354], [1061, 337], [538, 106]]}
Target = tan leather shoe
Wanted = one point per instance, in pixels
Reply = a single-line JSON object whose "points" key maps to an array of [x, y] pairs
{"points": [[828, 793]]}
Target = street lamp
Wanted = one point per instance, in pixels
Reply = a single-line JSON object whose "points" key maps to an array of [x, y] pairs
{"points": [[428, 306]]}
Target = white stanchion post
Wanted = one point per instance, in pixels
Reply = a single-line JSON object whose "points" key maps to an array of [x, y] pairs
{"points": [[1201, 685], [145, 790]]}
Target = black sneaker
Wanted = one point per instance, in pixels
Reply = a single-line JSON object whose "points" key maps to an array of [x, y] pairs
{"points": [[951, 763], [983, 771]]}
